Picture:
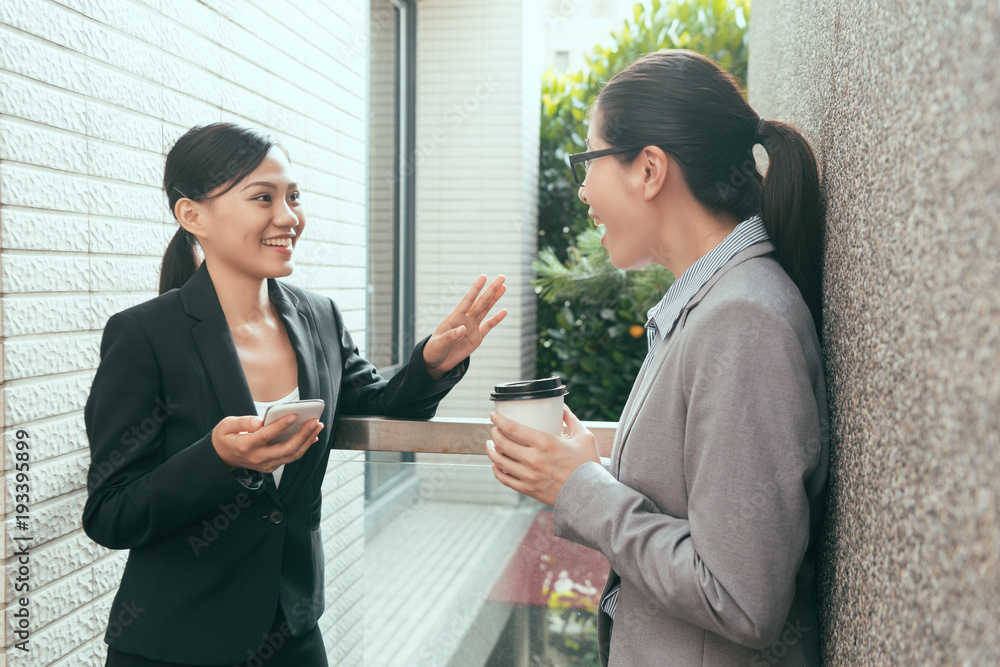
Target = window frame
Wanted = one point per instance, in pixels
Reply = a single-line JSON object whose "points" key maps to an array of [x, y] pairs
{"points": [[404, 227]]}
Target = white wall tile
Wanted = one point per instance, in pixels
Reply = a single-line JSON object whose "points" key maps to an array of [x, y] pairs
{"points": [[94, 94], [474, 175]]}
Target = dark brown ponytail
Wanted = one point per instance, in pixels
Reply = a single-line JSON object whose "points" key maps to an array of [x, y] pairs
{"points": [[179, 262], [203, 159], [792, 209], [694, 110]]}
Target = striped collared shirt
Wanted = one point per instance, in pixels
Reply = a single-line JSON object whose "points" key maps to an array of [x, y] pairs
{"points": [[663, 316]]}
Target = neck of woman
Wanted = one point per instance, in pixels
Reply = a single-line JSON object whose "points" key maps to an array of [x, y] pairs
{"points": [[691, 233], [244, 299]]}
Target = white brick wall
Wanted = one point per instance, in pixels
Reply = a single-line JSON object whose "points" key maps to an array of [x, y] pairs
{"points": [[479, 73], [92, 94]]}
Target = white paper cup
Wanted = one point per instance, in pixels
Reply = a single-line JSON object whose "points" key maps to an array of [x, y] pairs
{"points": [[534, 403]]}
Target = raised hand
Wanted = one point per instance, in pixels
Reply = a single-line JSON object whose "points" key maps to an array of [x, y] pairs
{"points": [[463, 329]]}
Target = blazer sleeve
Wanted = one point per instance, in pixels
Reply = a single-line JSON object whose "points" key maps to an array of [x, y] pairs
{"points": [[134, 496], [751, 441], [411, 392]]}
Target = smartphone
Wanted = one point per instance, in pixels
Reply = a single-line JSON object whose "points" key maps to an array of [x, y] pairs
{"points": [[303, 410]]}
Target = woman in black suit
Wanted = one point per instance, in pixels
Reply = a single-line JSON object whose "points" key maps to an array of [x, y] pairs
{"points": [[226, 559]]}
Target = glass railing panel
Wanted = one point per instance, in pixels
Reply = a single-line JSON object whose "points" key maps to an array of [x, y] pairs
{"points": [[453, 569]]}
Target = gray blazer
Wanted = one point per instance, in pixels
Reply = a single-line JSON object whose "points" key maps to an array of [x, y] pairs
{"points": [[709, 513]]}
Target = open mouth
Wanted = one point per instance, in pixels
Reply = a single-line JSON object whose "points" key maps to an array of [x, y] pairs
{"points": [[278, 243]]}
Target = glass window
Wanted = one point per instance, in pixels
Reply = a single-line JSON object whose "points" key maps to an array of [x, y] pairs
{"points": [[390, 210], [561, 63]]}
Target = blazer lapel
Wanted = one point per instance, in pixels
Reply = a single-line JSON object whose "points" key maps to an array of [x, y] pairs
{"points": [[644, 381], [640, 389], [218, 353], [215, 344], [297, 324]]}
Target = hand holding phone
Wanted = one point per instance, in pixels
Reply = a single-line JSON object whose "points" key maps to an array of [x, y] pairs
{"points": [[303, 411], [241, 443]]}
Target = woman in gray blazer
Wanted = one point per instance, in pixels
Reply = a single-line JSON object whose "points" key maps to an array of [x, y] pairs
{"points": [[708, 513]]}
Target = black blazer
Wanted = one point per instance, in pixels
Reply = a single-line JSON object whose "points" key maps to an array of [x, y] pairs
{"points": [[210, 559]]}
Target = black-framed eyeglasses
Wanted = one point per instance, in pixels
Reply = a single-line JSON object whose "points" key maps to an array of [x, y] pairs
{"points": [[580, 173]]}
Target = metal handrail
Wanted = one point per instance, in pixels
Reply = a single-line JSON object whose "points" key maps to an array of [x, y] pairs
{"points": [[441, 435]]}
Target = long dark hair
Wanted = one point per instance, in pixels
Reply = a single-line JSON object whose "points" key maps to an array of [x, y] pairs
{"points": [[690, 107], [204, 158]]}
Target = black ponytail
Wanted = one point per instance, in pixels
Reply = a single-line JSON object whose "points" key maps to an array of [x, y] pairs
{"points": [[792, 209], [203, 159], [694, 110], [179, 261]]}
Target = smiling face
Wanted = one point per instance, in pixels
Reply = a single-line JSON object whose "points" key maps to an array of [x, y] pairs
{"points": [[253, 228], [614, 193]]}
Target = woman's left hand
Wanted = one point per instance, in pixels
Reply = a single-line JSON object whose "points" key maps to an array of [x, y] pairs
{"points": [[463, 329], [537, 463]]}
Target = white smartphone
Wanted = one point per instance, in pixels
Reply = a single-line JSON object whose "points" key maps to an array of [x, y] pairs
{"points": [[303, 410]]}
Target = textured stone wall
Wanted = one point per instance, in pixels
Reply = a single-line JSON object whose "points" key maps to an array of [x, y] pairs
{"points": [[902, 104], [92, 95]]}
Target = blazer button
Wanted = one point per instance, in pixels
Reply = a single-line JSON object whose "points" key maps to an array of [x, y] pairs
{"points": [[276, 516]]}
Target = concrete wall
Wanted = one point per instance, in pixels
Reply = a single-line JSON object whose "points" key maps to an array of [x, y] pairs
{"points": [[902, 104], [92, 94]]}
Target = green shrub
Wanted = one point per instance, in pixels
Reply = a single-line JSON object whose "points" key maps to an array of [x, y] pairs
{"points": [[597, 341]]}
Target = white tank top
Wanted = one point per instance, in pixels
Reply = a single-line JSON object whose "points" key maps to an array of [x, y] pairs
{"points": [[261, 409]]}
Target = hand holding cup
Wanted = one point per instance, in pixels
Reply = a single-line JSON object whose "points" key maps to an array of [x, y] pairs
{"points": [[538, 462]]}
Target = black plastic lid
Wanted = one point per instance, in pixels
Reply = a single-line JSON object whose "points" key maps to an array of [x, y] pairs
{"points": [[529, 389]]}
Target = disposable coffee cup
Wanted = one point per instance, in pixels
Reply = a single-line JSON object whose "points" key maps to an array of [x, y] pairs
{"points": [[534, 403]]}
